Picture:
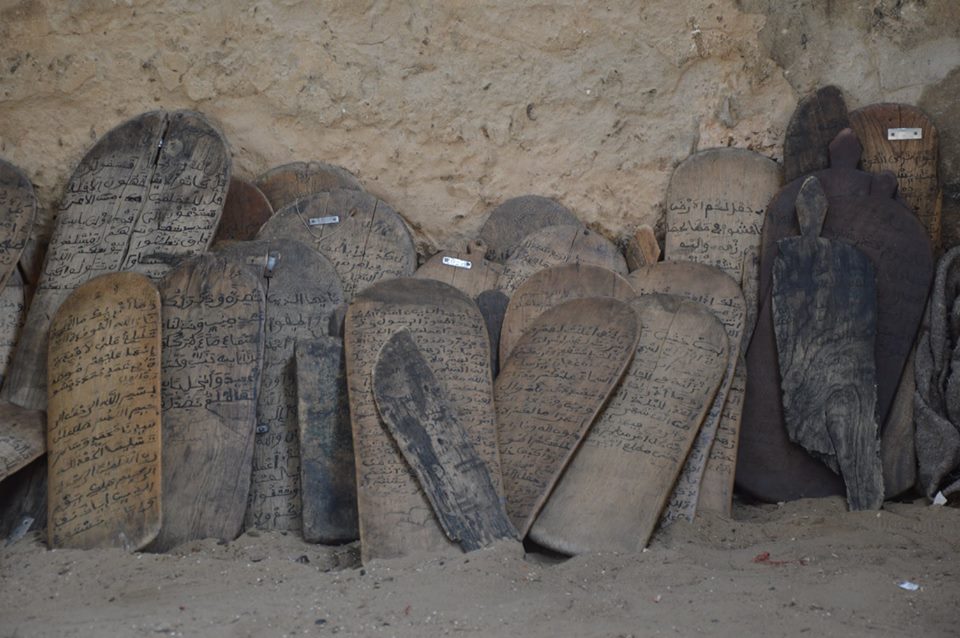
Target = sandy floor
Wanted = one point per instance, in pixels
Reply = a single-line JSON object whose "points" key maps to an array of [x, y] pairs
{"points": [[805, 568]]}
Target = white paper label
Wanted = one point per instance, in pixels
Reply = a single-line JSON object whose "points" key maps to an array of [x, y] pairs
{"points": [[457, 263], [904, 133], [320, 221]]}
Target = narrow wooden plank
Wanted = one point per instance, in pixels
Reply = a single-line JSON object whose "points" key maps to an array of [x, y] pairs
{"points": [[510, 222], [422, 421], [395, 517], [817, 120], [366, 240], [285, 184], [467, 271], [612, 493], [22, 437], [898, 454], [148, 194], [103, 416], [18, 209], [245, 210], [642, 248], [493, 307], [327, 469], [212, 355], [551, 389]]}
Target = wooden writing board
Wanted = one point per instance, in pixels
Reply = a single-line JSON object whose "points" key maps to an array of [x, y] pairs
{"points": [[642, 248], [18, 209], [824, 318], [817, 120], [148, 194], [510, 222], [245, 210], [395, 515], [426, 427], [103, 415], [467, 271], [212, 355], [366, 240], [557, 380], [22, 437], [493, 307], [285, 184], [551, 287], [612, 493], [898, 454], [722, 296], [13, 310], [915, 160], [302, 291], [555, 246], [327, 470]]}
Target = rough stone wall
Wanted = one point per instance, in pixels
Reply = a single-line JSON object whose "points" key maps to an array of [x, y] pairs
{"points": [[447, 108]]}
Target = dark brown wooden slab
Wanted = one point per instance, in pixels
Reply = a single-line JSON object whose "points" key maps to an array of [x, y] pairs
{"points": [[426, 427], [817, 120], [467, 271], [366, 240], [302, 291], [641, 248], [493, 307], [285, 184], [555, 246], [212, 354], [395, 515], [327, 470], [557, 380], [612, 493], [13, 310], [18, 209], [148, 194], [245, 210], [898, 453], [22, 437], [720, 430], [915, 162], [551, 287], [824, 317], [510, 222], [103, 415]]}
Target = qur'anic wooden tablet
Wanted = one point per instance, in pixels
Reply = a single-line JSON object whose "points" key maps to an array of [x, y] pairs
{"points": [[18, 209], [467, 271], [817, 120], [212, 354], [21, 437], [824, 317], [551, 389], [715, 446], [283, 185], [426, 427], [327, 471], [302, 292], [510, 222], [147, 195], [366, 240], [555, 246], [12, 313], [612, 493], [245, 210], [103, 416], [551, 287], [901, 138]]}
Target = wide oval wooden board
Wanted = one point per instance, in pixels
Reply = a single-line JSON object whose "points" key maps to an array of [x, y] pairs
{"points": [[467, 271], [18, 210], [510, 222], [245, 210], [816, 121], [285, 184]]}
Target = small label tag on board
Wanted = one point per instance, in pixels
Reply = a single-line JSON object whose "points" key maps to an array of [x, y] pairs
{"points": [[322, 221], [904, 133], [457, 263]]}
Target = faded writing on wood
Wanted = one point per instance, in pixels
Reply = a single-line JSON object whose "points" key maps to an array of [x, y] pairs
{"points": [[21, 437], [18, 209], [285, 184], [817, 120], [467, 271], [508, 224]]}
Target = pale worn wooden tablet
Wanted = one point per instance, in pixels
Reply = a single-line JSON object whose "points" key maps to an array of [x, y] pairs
{"points": [[285, 184], [510, 222], [18, 209], [467, 271], [22, 437], [817, 120], [13, 310], [245, 210]]}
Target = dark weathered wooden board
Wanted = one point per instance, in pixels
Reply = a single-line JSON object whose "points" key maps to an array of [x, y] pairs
{"points": [[18, 209], [148, 194], [302, 290], [551, 287], [395, 516], [245, 210], [23, 499], [915, 162], [642, 248], [510, 222], [493, 307], [285, 184], [415, 408], [212, 355], [467, 271], [13, 310], [327, 470], [817, 120], [103, 415], [612, 493], [824, 317], [366, 240], [22, 437], [715, 446], [557, 380], [898, 453]]}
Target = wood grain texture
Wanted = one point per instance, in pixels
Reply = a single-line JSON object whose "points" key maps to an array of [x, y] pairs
{"points": [[467, 271], [493, 307], [817, 120], [285, 184], [557, 380], [898, 454], [245, 210], [212, 355], [551, 287], [22, 437], [103, 415], [612, 493], [510, 222], [715, 446], [148, 194], [395, 516], [302, 291], [327, 470], [642, 248], [414, 407], [18, 209], [366, 240]]}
